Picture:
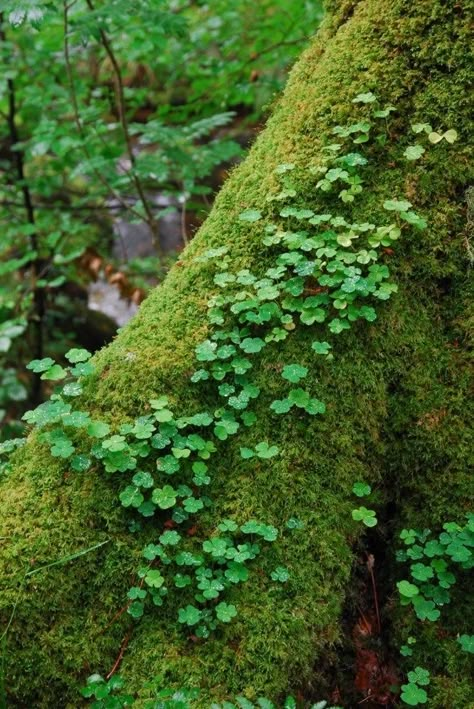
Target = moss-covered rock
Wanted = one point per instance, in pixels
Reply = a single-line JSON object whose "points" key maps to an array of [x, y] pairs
{"points": [[396, 394]]}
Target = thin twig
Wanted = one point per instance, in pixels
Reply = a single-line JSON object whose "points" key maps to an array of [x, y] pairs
{"points": [[121, 107], [119, 659], [370, 567], [77, 118]]}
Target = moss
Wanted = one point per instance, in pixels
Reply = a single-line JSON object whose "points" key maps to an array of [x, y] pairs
{"points": [[397, 402]]}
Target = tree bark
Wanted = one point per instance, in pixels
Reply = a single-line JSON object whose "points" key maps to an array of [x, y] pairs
{"points": [[396, 395]]}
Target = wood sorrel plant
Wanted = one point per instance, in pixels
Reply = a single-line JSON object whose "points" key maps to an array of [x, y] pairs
{"points": [[327, 272]]}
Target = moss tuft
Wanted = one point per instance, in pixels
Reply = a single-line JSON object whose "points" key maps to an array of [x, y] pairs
{"points": [[397, 402]]}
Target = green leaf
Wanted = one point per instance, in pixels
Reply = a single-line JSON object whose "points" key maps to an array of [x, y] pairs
{"points": [[413, 695], [466, 642], [362, 514], [284, 167], [168, 464], [421, 572], [225, 612], [136, 609], [361, 489], [407, 589], [80, 463], [368, 97], [189, 615], [263, 450], [280, 574], [164, 497], [421, 128], [294, 523], [131, 497], [251, 345], [62, 448], [321, 348], [413, 152], [281, 406], [54, 373], [236, 572], [78, 355], [250, 215], [40, 365], [395, 205], [72, 389], [192, 505], [143, 479], [246, 453], [414, 219], [98, 429], [154, 579], [419, 676], [294, 372], [206, 351]]}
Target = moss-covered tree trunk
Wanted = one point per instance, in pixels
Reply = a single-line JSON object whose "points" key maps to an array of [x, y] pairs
{"points": [[395, 394]]}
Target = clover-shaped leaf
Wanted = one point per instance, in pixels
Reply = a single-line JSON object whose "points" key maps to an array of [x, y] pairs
{"points": [[206, 351], [413, 152], [225, 612], [136, 593], [80, 463], [421, 572], [192, 505], [170, 538], [228, 525], [114, 443], [466, 642], [216, 547], [136, 609], [413, 695], [294, 373], [368, 97], [396, 205], [280, 574], [424, 609], [54, 373], [78, 355], [361, 489], [154, 579], [321, 348], [250, 215], [131, 497], [247, 453], [362, 514], [40, 365], [98, 429], [419, 676], [281, 406], [143, 479], [164, 497], [295, 523], [62, 448], [251, 345], [265, 451], [189, 615], [407, 589], [168, 464], [236, 572], [72, 389]]}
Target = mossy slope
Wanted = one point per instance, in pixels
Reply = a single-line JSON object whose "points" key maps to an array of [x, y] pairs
{"points": [[397, 408]]}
